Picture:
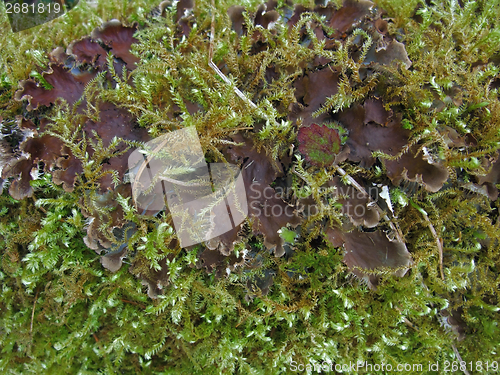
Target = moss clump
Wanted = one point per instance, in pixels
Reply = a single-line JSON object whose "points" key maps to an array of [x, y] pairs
{"points": [[388, 253]]}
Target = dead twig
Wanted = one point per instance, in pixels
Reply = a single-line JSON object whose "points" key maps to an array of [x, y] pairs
{"points": [[40, 207], [33, 313], [407, 322], [225, 79], [353, 182], [237, 129], [133, 303], [457, 354], [97, 341], [216, 68], [439, 241], [245, 318]]}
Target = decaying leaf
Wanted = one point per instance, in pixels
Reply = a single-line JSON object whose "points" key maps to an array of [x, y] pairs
{"points": [[118, 39], [20, 187], [34, 149], [113, 262], [264, 16], [366, 136], [392, 52], [260, 286], [452, 320], [155, 280], [223, 265], [64, 85], [68, 76]]}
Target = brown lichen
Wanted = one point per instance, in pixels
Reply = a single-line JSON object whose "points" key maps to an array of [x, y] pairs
{"points": [[368, 252], [68, 75], [355, 205], [267, 209]]}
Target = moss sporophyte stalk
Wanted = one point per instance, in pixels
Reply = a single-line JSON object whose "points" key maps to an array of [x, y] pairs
{"points": [[257, 188]]}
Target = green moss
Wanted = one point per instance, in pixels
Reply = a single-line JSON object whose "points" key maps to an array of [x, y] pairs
{"points": [[62, 312]]}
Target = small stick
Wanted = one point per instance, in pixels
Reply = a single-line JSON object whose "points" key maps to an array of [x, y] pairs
{"points": [[33, 313], [40, 208], [216, 68], [224, 78], [236, 90], [407, 322], [237, 129], [245, 318], [360, 188], [439, 242], [410, 324], [97, 341], [352, 181], [133, 303], [457, 354]]}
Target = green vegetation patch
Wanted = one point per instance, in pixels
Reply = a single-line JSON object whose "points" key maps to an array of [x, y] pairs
{"points": [[367, 136]]}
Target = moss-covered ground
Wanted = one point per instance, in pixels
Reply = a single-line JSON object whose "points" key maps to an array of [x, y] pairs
{"points": [[390, 108]]}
